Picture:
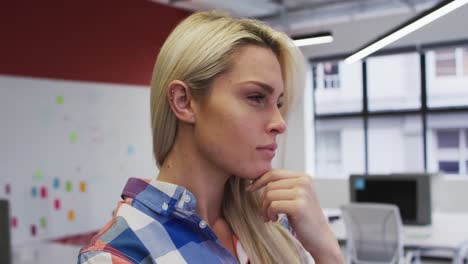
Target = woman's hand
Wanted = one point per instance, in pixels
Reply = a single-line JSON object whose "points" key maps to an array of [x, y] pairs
{"points": [[293, 194]]}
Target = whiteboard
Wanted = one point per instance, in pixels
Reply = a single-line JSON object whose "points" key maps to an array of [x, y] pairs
{"points": [[68, 148]]}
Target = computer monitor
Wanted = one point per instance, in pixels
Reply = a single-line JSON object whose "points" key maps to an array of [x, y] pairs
{"points": [[410, 192]]}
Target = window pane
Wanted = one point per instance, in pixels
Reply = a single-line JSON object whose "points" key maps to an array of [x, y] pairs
{"points": [[448, 138], [443, 141], [394, 82], [339, 147], [450, 167], [465, 60], [444, 86], [445, 62], [466, 138], [337, 87], [395, 144]]}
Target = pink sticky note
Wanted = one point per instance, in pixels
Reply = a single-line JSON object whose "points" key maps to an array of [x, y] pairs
{"points": [[33, 230], [14, 222], [57, 204], [43, 192]]}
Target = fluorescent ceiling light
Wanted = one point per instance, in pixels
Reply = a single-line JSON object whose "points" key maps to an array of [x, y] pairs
{"points": [[313, 39], [406, 28]]}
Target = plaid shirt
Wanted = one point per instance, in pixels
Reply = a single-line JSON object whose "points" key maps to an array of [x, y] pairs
{"points": [[157, 223]]}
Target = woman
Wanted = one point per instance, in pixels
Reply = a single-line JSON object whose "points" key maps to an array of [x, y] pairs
{"points": [[220, 89]]}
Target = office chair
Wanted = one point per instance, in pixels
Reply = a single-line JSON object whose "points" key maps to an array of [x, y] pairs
{"points": [[461, 257], [374, 234]]}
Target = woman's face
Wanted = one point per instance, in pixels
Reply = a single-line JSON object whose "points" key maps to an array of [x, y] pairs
{"points": [[238, 122]]}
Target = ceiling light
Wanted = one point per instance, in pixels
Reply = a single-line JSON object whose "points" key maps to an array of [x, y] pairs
{"points": [[413, 24], [313, 39]]}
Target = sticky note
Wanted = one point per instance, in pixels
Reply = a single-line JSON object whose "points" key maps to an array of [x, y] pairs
{"points": [[43, 192], [43, 222], [34, 191], [33, 230], [14, 222], [59, 99], [71, 215], [7, 189], [56, 183], [68, 186], [130, 150], [57, 204], [82, 186], [73, 137], [38, 175]]}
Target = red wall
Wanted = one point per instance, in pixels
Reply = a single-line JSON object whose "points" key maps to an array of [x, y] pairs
{"points": [[113, 41]]}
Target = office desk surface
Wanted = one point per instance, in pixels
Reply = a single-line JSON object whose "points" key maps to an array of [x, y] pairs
{"points": [[449, 231]]}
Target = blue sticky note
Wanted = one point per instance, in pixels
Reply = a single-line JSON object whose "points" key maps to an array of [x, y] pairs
{"points": [[359, 184], [56, 183], [34, 191], [131, 150]]}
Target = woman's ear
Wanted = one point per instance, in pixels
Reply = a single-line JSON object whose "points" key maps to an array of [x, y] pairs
{"points": [[180, 100]]}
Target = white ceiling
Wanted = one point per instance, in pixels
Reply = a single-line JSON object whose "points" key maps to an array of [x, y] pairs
{"points": [[352, 22], [296, 15]]}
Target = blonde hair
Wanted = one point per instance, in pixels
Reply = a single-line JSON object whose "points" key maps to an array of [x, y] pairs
{"points": [[198, 50]]}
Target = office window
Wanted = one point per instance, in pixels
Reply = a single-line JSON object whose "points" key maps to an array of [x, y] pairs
{"points": [[449, 167], [447, 139], [395, 144], [339, 147], [447, 146], [394, 82], [337, 87], [331, 75], [329, 152], [445, 62], [447, 85], [465, 60], [448, 142]]}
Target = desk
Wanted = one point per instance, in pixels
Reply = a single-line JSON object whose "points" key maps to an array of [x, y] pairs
{"points": [[447, 235]]}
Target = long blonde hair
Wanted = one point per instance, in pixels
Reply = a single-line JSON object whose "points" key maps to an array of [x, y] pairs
{"points": [[197, 51]]}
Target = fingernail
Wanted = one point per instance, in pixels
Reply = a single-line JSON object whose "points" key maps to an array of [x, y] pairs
{"points": [[248, 188]]}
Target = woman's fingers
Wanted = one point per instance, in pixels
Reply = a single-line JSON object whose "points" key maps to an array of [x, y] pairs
{"points": [[271, 196], [268, 177], [288, 207]]}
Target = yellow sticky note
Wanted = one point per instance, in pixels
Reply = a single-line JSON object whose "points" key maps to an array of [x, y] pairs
{"points": [[82, 186], [71, 215]]}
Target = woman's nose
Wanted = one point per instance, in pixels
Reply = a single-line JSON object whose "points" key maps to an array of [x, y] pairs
{"points": [[277, 124]]}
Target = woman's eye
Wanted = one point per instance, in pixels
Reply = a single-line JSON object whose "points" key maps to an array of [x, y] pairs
{"points": [[258, 98], [279, 105]]}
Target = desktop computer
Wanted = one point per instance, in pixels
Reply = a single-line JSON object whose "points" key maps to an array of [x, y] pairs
{"points": [[411, 193]]}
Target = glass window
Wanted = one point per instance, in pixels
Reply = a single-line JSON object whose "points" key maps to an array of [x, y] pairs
{"points": [[339, 147], [445, 62], [329, 150], [331, 75], [465, 60], [447, 149], [450, 167], [447, 139], [394, 82], [466, 138], [337, 87], [446, 83], [395, 144]]}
